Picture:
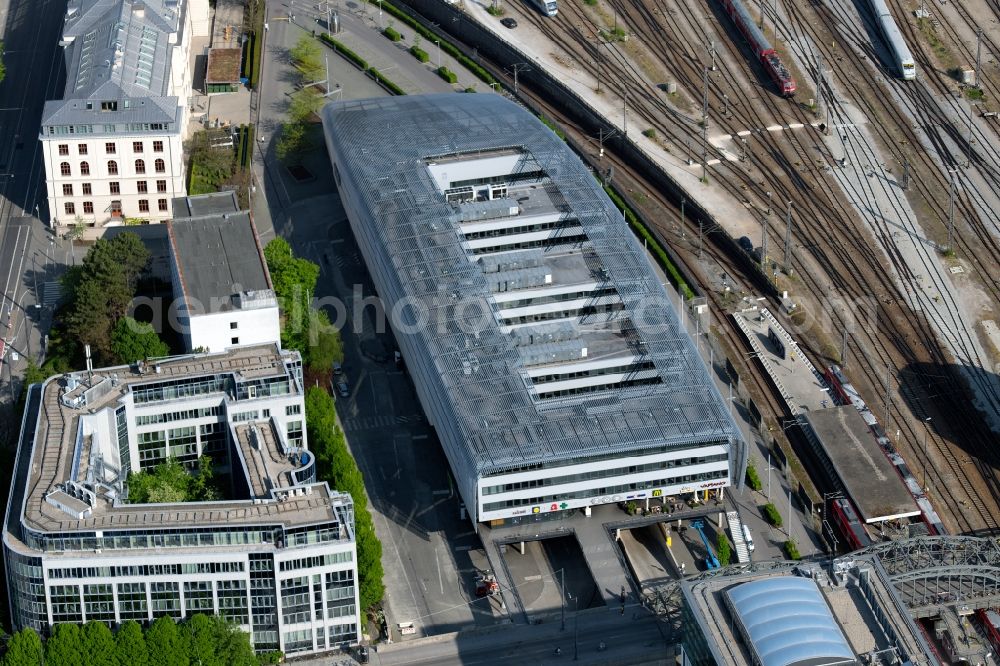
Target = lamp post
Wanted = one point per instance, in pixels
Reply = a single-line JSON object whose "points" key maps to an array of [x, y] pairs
{"points": [[438, 42]]}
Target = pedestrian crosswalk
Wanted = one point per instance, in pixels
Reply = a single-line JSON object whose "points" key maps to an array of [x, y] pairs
{"points": [[380, 421], [52, 293]]}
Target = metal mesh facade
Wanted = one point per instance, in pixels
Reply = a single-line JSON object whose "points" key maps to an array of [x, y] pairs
{"points": [[468, 369]]}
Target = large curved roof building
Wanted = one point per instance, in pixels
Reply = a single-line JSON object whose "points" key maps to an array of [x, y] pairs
{"points": [[542, 344]]}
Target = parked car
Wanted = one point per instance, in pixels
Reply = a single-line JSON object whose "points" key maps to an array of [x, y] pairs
{"points": [[338, 369], [508, 23], [343, 389]]}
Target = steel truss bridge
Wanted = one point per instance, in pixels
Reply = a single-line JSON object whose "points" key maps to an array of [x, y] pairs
{"points": [[930, 573]]}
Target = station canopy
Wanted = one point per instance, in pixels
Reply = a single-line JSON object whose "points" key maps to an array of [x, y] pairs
{"points": [[788, 623]]}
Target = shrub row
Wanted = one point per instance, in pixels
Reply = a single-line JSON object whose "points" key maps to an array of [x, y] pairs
{"points": [[753, 479], [386, 83], [447, 74], [771, 514], [362, 64], [344, 51], [392, 34], [244, 146], [654, 246], [419, 53], [791, 550], [447, 47]]}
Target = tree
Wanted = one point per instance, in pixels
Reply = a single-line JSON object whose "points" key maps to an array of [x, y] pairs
{"points": [[23, 649], [307, 58], [136, 341], [171, 482], [336, 464], [201, 634], [292, 277], [103, 289], [3, 67], [98, 644], [130, 645], [165, 643], [63, 647], [304, 103], [722, 548], [325, 346], [292, 141]]}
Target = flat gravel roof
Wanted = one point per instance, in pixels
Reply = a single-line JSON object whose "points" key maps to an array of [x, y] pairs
{"points": [[860, 465]]}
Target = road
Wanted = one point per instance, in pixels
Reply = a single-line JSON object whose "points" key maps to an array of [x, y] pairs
{"points": [[631, 639], [28, 260]]}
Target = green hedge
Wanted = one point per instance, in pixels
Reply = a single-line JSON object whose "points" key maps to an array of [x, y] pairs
{"points": [[392, 34], [654, 246], [389, 85], [244, 146], [419, 53], [362, 64], [791, 550], [447, 74], [344, 51], [771, 514], [753, 479], [552, 126], [447, 47]]}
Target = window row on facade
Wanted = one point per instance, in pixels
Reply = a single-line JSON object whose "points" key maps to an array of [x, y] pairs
{"points": [[110, 148], [115, 208], [83, 168], [142, 601], [147, 570], [114, 187], [611, 490], [56, 130], [603, 473]]}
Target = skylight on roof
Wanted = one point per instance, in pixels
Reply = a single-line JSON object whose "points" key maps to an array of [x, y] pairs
{"points": [[147, 53]]}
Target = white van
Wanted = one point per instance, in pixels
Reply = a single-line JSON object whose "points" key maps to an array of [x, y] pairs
{"points": [[747, 537]]}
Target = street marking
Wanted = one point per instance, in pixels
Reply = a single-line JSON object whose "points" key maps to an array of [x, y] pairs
{"points": [[463, 548], [533, 578], [420, 437], [443, 491]]}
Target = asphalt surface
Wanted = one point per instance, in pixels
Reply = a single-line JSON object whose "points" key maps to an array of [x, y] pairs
{"points": [[431, 555], [35, 72]]}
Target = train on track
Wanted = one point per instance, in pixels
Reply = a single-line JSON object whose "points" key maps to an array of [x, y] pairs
{"points": [[761, 48], [547, 7], [844, 393], [989, 620], [887, 27], [846, 519]]}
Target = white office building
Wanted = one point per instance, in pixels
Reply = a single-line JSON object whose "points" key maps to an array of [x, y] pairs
{"points": [[223, 295], [112, 145], [276, 556], [543, 347]]}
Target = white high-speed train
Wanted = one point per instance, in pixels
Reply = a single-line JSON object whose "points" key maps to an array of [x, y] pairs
{"points": [[894, 39]]}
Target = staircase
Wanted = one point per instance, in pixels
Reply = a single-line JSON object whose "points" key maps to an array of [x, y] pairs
{"points": [[736, 532]]}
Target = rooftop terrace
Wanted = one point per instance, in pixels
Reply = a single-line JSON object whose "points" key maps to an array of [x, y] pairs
{"points": [[49, 444]]}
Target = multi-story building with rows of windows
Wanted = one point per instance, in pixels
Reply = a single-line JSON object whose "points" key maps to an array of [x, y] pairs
{"points": [[276, 555], [112, 146], [543, 346]]}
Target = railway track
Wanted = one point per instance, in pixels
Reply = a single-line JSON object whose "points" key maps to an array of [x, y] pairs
{"points": [[834, 258], [977, 437]]}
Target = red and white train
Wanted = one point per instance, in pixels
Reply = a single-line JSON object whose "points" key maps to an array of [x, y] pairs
{"points": [[847, 521], [761, 48], [844, 393], [989, 620]]}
